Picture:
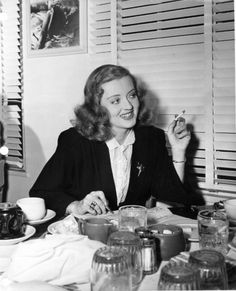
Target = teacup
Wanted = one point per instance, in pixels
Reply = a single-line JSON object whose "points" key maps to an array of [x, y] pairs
{"points": [[97, 228], [33, 207], [230, 208], [170, 240], [12, 221]]}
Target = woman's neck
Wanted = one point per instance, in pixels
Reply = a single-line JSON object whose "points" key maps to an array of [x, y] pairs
{"points": [[121, 136]]}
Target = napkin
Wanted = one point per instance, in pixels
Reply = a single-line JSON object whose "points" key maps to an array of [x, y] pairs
{"points": [[57, 259]]}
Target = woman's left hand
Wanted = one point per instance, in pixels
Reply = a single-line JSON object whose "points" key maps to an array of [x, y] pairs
{"points": [[178, 135]]}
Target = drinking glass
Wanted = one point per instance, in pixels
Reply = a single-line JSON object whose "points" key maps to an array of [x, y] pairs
{"points": [[213, 228], [110, 270], [131, 217], [130, 242], [178, 276], [211, 268]]}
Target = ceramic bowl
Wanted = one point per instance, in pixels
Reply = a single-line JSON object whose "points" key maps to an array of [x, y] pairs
{"points": [[170, 240]]}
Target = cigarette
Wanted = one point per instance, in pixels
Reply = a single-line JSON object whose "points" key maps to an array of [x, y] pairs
{"points": [[178, 116]]}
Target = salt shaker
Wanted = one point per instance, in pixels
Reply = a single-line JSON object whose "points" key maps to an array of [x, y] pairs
{"points": [[149, 256]]}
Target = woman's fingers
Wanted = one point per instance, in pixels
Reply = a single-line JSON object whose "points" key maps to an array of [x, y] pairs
{"points": [[95, 202]]}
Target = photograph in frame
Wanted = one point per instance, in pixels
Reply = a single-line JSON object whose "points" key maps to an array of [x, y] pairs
{"points": [[56, 27]]}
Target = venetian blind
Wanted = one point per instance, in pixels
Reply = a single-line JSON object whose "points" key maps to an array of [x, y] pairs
{"points": [[11, 57], [224, 94], [162, 43], [102, 26]]}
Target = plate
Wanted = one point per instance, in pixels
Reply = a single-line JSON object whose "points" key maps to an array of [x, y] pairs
{"points": [[49, 215], [30, 230], [52, 228], [190, 231]]}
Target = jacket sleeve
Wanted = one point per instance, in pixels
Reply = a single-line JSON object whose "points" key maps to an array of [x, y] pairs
{"points": [[54, 183], [166, 185]]}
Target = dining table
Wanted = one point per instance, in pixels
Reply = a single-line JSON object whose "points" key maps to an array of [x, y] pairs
{"points": [[149, 282]]}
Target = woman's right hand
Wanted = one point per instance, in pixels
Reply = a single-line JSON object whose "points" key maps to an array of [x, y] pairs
{"points": [[94, 203]]}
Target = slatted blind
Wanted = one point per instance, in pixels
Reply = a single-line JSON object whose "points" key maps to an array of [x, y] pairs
{"points": [[183, 51], [224, 93], [162, 43], [100, 29], [12, 80]]}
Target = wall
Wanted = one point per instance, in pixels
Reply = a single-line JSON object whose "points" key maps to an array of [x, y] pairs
{"points": [[52, 87]]}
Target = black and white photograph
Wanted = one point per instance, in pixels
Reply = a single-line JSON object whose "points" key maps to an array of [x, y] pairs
{"points": [[117, 145], [57, 26]]}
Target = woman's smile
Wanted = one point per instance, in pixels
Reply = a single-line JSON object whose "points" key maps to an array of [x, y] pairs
{"points": [[121, 100]]}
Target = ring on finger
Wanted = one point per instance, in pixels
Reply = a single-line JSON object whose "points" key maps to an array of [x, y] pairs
{"points": [[93, 204]]}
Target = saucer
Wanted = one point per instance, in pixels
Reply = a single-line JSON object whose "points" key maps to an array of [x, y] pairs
{"points": [[49, 215], [30, 230], [190, 231]]}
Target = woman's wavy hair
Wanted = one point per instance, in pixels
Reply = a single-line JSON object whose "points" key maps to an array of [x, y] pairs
{"points": [[92, 119]]}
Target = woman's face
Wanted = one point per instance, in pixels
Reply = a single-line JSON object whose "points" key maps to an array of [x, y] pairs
{"points": [[121, 100]]}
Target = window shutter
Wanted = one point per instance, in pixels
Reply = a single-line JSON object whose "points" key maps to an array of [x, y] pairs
{"points": [[163, 44], [224, 94], [103, 29], [12, 88]]}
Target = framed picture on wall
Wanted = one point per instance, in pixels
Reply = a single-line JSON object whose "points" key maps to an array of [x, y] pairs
{"points": [[56, 27]]}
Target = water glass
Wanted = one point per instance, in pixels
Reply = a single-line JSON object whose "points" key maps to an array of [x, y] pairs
{"points": [[178, 276], [110, 270], [131, 217], [131, 243], [211, 268], [213, 228]]}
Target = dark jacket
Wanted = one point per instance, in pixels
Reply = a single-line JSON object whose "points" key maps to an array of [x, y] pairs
{"points": [[80, 166]]}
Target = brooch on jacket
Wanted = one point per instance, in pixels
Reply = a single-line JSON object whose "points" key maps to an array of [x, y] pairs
{"points": [[140, 168]]}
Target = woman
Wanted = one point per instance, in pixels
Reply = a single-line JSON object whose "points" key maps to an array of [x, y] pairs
{"points": [[108, 158]]}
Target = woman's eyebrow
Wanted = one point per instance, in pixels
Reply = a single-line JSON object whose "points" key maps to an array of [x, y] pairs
{"points": [[112, 96]]}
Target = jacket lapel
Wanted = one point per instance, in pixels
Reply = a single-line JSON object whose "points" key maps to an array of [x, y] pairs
{"points": [[106, 181], [138, 165]]}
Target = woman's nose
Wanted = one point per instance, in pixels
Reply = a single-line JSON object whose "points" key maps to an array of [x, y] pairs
{"points": [[127, 104]]}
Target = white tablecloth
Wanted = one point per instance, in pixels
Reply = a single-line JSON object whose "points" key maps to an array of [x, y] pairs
{"points": [[149, 282]]}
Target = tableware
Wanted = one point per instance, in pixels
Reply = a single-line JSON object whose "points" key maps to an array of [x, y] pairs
{"points": [[211, 268], [149, 255], [110, 270], [97, 228], [12, 221], [132, 244], [178, 276], [169, 239], [67, 226], [33, 207], [131, 217], [190, 231], [230, 208], [213, 228], [49, 215], [29, 231]]}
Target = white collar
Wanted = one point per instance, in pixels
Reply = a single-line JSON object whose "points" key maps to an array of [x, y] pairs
{"points": [[129, 140]]}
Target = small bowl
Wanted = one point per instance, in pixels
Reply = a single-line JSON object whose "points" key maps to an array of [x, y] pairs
{"points": [[170, 240], [230, 208]]}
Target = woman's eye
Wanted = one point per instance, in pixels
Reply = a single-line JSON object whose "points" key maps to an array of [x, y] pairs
{"points": [[132, 96], [115, 101]]}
